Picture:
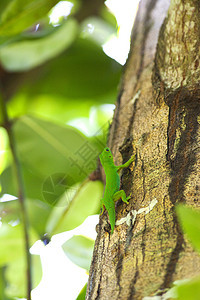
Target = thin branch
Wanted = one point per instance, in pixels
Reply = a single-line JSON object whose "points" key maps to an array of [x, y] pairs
{"points": [[21, 195]]}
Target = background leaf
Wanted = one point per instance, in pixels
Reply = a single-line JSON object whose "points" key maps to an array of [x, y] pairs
{"points": [[45, 149], [12, 242], [85, 66], [85, 202], [51, 90], [38, 213], [24, 55], [31, 181], [101, 30], [82, 293], [2, 284], [4, 152], [189, 290], [16, 276], [21, 14], [190, 222], [79, 250], [54, 142]]}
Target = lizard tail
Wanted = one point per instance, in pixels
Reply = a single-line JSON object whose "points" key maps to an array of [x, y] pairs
{"points": [[111, 214]]}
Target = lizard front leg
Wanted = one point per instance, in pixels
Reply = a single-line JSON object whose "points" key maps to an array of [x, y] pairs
{"points": [[119, 168]]}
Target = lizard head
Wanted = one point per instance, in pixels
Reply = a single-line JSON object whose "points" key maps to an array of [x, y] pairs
{"points": [[106, 156]]}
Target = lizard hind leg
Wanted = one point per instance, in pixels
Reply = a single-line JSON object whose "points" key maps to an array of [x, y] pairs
{"points": [[121, 194], [102, 206]]}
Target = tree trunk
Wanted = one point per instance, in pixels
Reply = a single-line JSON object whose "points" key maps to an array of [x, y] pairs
{"points": [[157, 117]]}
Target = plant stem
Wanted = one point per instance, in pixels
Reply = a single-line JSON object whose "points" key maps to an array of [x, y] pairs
{"points": [[21, 195]]}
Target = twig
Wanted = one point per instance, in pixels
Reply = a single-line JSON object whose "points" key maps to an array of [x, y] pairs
{"points": [[7, 124]]}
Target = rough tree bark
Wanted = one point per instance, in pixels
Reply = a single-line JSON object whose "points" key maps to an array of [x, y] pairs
{"points": [[157, 117]]}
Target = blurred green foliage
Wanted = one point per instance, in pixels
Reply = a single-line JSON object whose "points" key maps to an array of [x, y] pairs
{"points": [[74, 206], [189, 219], [190, 222], [82, 294], [52, 75], [79, 249]]}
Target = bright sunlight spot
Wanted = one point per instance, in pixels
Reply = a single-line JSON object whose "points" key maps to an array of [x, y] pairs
{"points": [[90, 126], [117, 47], [58, 270], [7, 198], [124, 11], [62, 9]]}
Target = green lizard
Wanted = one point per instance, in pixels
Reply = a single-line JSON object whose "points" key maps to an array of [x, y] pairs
{"points": [[112, 192]]}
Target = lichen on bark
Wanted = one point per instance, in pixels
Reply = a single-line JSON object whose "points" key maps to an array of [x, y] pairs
{"points": [[178, 51]]}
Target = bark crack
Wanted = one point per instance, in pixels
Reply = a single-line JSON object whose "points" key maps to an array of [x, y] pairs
{"points": [[130, 127], [132, 290], [114, 125], [119, 271], [143, 244], [171, 266], [143, 180], [182, 132], [147, 27]]}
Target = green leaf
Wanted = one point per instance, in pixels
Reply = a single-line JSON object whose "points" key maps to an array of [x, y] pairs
{"points": [[86, 202], [102, 30], [38, 213], [24, 55], [18, 15], [1, 111], [31, 180], [61, 208], [189, 290], [82, 293], [3, 149], [3, 4], [16, 276], [190, 223], [53, 158], [10, 211], [108, 16], [48, 149], [79, 250], [57, 108], [51, 90], [2, 284], [83, 65], [12, 242]]}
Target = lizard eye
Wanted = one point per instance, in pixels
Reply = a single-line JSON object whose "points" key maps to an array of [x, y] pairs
{"points": [[107, 149]]}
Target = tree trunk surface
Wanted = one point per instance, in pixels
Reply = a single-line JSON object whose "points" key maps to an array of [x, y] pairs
{"points": [[157, 117]]}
